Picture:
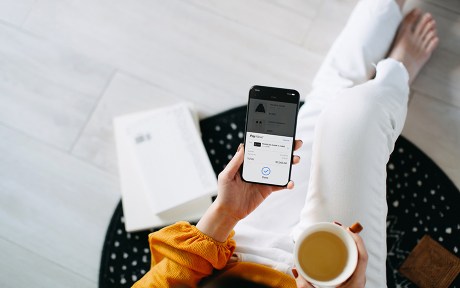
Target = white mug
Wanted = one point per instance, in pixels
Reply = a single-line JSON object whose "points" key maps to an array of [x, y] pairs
{"points": [[350, 245]]}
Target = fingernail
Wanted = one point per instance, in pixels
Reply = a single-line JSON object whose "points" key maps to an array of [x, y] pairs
{"points": [[337, 223], [356, 228], [294, 272], [239, 147]]}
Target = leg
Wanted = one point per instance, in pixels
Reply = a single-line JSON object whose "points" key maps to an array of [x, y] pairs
{"points": [[354, 138], [365, 40], [278, 214], [263, 233], [349, 62], [353, 141], [352, 55]]}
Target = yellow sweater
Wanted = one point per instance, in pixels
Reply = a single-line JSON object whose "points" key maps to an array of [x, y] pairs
{"points": [[182, 256]]}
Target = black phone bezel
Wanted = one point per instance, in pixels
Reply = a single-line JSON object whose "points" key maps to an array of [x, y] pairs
{"points": [[272, 94]]}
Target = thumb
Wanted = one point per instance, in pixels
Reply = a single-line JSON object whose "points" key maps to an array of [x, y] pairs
{"points": [[234, 165]]}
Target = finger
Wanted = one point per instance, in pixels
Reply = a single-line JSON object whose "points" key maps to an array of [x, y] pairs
{"points": [[289, 186], [302, 283], [297, 144], [358, 279], [359, 242], [234, 165], [362, 251], [356, 228], [295, 159]]}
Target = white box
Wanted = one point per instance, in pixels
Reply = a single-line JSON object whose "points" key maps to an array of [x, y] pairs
{"points": [[165, 173]]}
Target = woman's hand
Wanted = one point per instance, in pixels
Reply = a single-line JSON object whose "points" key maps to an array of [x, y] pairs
{"points": [[240, 198], [236, 199], [357, 279]]}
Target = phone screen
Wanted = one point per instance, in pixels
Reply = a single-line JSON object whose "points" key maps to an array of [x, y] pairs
{"points": [[269, 137]]}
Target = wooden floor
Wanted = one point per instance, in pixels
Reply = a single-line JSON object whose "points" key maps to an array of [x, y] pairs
{"points": [[67, 67]]}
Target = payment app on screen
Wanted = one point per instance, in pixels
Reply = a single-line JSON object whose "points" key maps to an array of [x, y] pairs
{"points": [[270, 130]]}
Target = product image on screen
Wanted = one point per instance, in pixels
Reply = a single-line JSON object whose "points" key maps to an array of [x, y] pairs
{"points": [[270, 132]]}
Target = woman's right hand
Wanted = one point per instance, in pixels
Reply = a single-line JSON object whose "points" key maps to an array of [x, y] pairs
{"points": [[240, 198], [357, 279], [236, 199]]}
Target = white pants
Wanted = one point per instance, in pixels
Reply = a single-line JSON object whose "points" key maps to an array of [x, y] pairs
{"points": [[349, 125]]}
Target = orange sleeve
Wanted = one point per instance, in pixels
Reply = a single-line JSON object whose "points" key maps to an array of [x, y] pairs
{"points": [[182, 255]]}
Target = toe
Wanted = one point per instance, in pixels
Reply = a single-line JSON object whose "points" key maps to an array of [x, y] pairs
{"points": [[428, 38], [430, 26], [412, 16], [423, 22], [410, 21], [416, 12], [431, 45]]}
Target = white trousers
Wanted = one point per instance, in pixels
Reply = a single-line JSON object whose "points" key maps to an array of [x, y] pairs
{"points": [[349, 125]]}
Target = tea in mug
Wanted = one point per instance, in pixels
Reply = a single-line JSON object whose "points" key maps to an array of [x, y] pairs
{"points": [[323, 256]]}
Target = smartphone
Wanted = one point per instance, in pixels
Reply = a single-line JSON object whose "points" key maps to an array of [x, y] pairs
{"points": [[271, 120]]}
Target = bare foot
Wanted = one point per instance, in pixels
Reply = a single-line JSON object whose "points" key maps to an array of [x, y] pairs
{"points": [[415, 41]]}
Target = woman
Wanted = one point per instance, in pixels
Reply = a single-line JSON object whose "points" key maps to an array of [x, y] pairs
{"points": [[349, 124]]}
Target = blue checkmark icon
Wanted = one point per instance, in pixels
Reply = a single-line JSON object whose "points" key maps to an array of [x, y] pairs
{"points": [[266, 171]]}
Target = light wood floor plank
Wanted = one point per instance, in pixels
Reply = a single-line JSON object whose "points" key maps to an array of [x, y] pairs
{"points": [[15, 11], [21, 267], [125, 95], [54, 204], [440, 78], [434, 127], [46, 91], [328, 23], [452, 5], [275, 18], [201, 56]]}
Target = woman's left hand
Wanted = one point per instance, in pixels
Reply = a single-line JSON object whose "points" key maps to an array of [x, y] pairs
{"points": [[357, 279]]}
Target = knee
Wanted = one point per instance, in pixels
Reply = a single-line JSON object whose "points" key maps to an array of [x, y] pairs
{"points": [[354, 112], [355, 124]]}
